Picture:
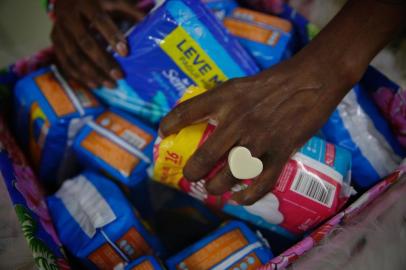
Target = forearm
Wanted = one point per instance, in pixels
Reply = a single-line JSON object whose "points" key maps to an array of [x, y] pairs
{"points": [[350, 41]]}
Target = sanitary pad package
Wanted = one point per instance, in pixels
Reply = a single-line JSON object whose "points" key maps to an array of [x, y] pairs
{"points": [[359, 126], [232, 246], [265, 37], [145, 263], [50, 111], [97, 225], [178, 219], [118, 145], [313, 185], [221, 8], [179, 44]]}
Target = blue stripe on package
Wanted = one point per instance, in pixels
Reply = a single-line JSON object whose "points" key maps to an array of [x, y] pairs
{"points": [[232, 246], [49, 113], [145, 263], [358, 126], [179, 44], [97, 224], [117, 144]]}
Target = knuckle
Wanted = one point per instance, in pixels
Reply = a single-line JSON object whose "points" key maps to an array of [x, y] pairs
{"points": [[180, 113]]}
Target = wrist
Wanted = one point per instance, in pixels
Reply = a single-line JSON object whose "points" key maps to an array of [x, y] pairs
{"points": [[337, 64]]}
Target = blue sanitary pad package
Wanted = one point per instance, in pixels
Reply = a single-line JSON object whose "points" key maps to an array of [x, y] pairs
{"points": [[221, 8], [179, 44], [50, 111], [232, 246], [264, 36], [358, 126], [116, 144], [97, 224], [145, 263]]}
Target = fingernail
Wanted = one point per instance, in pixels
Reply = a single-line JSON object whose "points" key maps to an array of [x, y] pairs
{"points": [[109, 84], [122, 48], [116, 74]]}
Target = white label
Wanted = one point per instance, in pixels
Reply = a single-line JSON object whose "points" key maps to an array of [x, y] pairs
{"points": [[314, 188], [319, 166], [133, 139], [85, 204]]}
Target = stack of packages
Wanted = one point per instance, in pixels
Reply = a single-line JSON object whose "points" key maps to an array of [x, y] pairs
{"points": [[99, 155]]}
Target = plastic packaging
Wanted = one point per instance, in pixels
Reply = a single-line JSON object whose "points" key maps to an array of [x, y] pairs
{"points": [[358, 126], [221, 8], [232, 246], [264, 36], [315, 182], [50, 112], [145, 263], [179, 44], [117, 144], [97, 224], [180, 220]]}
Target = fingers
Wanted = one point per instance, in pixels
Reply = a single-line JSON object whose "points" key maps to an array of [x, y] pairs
{"points": [[63, 60], [123, 8], [188, 112], [89, 47], [223, 181], [104, 24], [206, 156], [74, 63], [264, 183]]}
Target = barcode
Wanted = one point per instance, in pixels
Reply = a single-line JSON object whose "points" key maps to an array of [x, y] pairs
{"points": [[133, 139], [314, 188]]}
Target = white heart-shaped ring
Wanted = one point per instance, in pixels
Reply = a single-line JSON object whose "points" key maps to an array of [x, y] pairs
{"points": [[242, 164]]}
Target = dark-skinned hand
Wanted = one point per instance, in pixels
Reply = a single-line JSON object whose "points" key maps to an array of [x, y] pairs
{"points": [[272, 114], [277, 111], [80, 56]]}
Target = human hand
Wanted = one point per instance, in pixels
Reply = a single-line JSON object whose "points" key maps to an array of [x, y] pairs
{"points": [[272, 114], [80, 56], [278, 110]]}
